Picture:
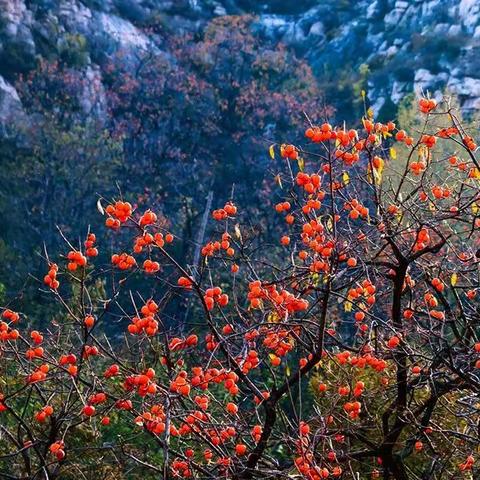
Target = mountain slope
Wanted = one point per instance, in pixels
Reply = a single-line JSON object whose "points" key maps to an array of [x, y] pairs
{"points": [[385, 47]]}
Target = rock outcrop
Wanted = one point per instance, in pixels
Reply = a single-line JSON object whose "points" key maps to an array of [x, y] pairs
{"points": [[402, 46]]}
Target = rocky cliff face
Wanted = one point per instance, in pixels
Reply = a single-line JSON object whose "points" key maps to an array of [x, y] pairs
{"points": [[403, 46], [390, 47]]}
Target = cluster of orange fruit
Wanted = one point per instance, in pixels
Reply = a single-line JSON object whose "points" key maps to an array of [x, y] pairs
{"points": [[215, 246], [305, 461], [280, 342], [214, 296], [401, 136], [229, 210], [467, 464], [144, 383], [148, 218], [353, 409], [6, 332], [146, 323], [123, 261], [289, 151], [176, 343], [118, 213], [90, 351], [44, 413], [447, 132], [422, 240], [58, 449], [38, 374], [90, 249], [112, 371], [50, 278], [185, 282], [180, 468], [356, 209], [250, 362], [428, 140], [76, 259], [10, 316], [469, 143], [282, 301], [426, 105], [310, 183], [323, 133], [151, 266], [69, 359], [148, 239]]}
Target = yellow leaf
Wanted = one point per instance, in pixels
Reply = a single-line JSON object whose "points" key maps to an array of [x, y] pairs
{"points": [[271, 151], [393, 153], [346, 178], [475, 208], [369, 175], [370, 112], [453, 279], [348, 306], [273, 317], [376, 178], [422, 153], [287, 371], [329, 224], [301, 163]]}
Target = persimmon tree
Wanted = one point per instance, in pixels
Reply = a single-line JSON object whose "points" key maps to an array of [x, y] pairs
{"points": [[348, 349]]}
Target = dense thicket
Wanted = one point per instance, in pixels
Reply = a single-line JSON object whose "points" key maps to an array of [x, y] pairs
{"points": [[180, 130]]}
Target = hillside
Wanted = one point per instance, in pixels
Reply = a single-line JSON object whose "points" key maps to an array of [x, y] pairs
{"points": [[387, 47], [99, 97]]}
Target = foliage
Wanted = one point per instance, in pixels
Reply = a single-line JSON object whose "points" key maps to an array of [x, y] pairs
{"points": [[187, 120], [53, 172], [257, 378]]}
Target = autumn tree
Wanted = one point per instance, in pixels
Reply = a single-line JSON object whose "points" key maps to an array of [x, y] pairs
{"points": [[202, 114], [257, 381]]}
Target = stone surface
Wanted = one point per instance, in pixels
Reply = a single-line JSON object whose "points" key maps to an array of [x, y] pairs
{"points": [[408, 45], [10, 106]]}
